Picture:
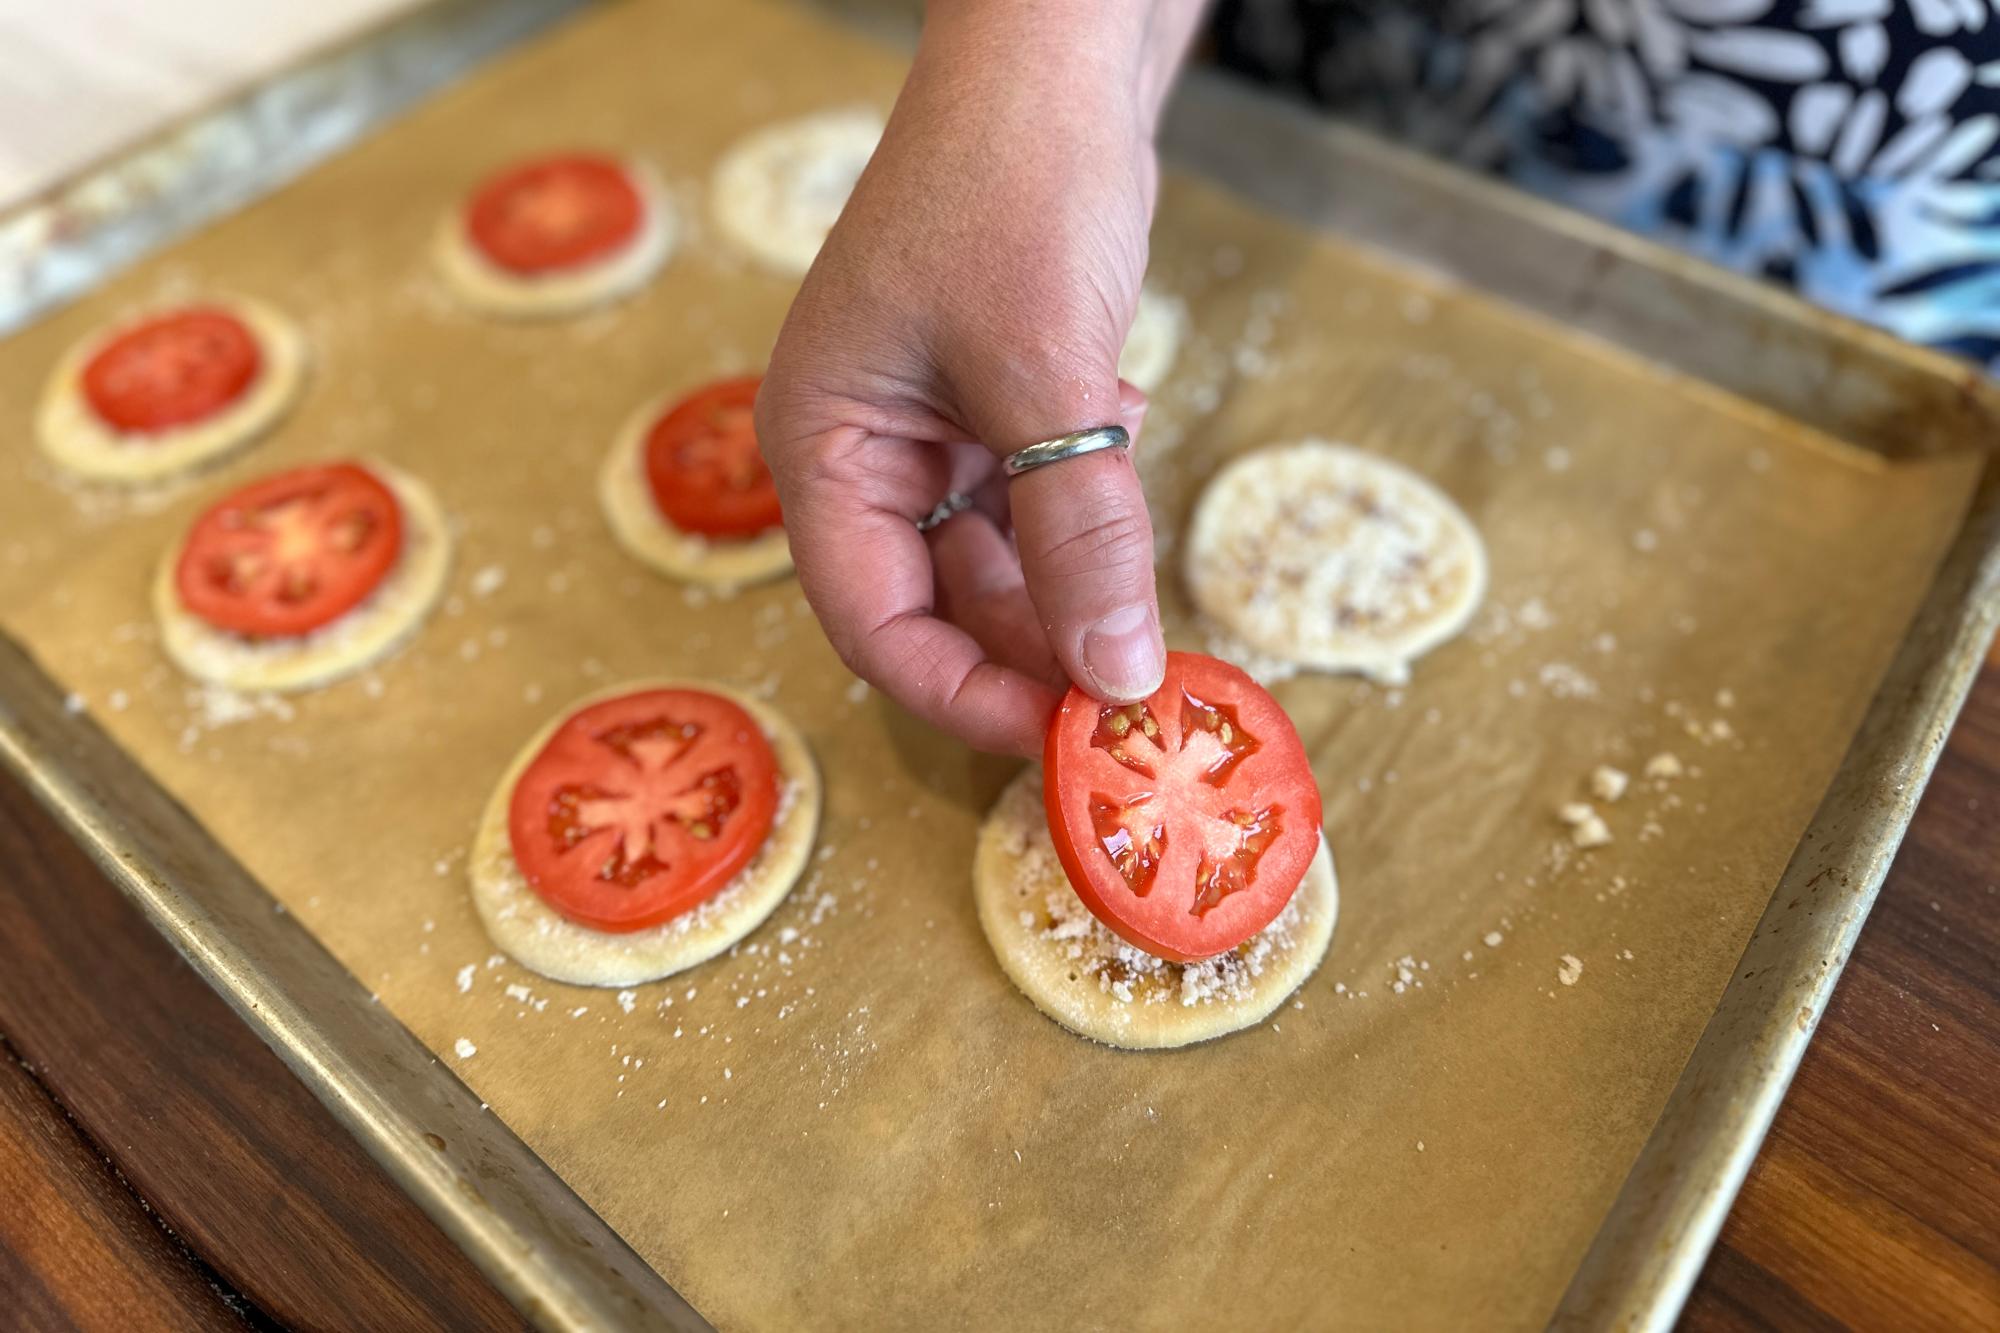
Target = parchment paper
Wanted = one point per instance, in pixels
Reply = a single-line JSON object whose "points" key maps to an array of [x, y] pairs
{"points": [[855, 1121]]}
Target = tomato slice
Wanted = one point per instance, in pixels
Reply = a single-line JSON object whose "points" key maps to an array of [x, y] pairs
{"points": [[703, 465], [171, 370], [554, 213], [1185, 822], [292, 553], [643, 807]]}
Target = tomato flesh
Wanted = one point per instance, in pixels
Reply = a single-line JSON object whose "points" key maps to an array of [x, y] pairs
{"points": [[643, 807], [1185, 822], [292, 553], [171, 370], [554, 213], [703, 465]]}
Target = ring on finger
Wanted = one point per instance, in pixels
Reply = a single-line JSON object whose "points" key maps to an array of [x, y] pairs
{"points": [[955, 503], [1064, 447]]}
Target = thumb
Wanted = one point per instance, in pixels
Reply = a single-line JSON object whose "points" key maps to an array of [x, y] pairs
{"points": [[1086, 545]]}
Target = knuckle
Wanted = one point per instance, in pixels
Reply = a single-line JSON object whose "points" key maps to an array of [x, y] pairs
{"points": [[877, 656], [1116, 542]]}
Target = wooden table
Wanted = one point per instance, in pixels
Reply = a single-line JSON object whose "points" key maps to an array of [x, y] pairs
{"points": [[160, 1168]]}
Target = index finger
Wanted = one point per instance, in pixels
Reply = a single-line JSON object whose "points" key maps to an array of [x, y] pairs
{"points": [[867, 572]]}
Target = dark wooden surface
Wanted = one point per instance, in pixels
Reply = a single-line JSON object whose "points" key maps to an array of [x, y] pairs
{"points": [[77, 1249], [1875, 1204], [1876, 1200], [204, 1124]]}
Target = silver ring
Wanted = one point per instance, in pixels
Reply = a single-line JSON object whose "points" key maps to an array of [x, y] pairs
{"points": [[1064, 447], [955, 503]]}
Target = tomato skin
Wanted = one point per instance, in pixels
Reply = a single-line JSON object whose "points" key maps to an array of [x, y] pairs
{"points": [[171, 370], [703, 466], [290, 553], [554, 213], [641, 807], [1269, 776]]}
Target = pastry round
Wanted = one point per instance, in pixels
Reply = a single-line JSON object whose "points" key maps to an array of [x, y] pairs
{"points": [[1095, 984], [778, 191], [1153, 341], [647, 535], [538, 937], [1332, 558], [78, 440], [484, 286], [366, 634]]}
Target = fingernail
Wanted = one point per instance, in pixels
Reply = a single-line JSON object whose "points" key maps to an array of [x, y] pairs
{"points": [[1124, 655]]}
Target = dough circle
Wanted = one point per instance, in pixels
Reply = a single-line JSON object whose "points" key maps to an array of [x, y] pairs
{"points": [[778, 191], [484, 286], [1098, 986], [649, 537], [368, 633], [538, 937], [1333, 558], [1153, 341], [73, 436]]}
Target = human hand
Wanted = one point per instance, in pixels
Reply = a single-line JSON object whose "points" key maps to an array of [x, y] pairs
{"points": [[971, 301]]}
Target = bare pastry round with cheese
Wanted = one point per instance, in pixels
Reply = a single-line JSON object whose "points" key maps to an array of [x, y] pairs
{"points": [[686, 491], [612, 787], [283, 585], [171, 391], [778, 191], [1334, 559], [1085, 977], [1153, 341], [556, 236]]}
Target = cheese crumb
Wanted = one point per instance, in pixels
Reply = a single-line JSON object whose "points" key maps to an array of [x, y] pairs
{"points": [[627, 999], [1571, 969], [1592, 832], [1493, 938], [466, 1050], [1575, 813], [465, 978], [1664, 765], [1608, 783]]}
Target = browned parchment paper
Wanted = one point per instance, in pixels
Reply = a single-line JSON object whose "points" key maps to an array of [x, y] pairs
{"points": [[855, 1121]]}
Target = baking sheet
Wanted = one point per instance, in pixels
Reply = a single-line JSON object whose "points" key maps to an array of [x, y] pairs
{"points": [[864, 1124]]}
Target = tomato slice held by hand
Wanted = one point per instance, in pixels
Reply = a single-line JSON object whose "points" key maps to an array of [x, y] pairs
{"points": [[554, 213], [1185, 822], [290, 554], [643, 807], [171, 370], [703, 465]]}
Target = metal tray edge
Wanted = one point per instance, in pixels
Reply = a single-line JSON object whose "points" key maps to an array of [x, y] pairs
{"points": [[542, 1246], [57, 245], [1756, 341], [1653, 1243]]}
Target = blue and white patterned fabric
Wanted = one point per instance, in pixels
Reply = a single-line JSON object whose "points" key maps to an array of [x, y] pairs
{"points": [[1848, 147]]}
